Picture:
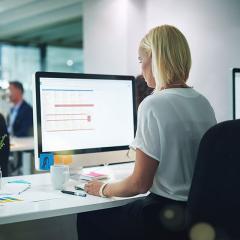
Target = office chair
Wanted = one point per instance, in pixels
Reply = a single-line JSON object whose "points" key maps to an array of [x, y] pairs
{"points": [[215, 191]]}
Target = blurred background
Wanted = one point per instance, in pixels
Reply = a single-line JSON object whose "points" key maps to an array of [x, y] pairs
{"points": [[38, 36], [102, 36]]}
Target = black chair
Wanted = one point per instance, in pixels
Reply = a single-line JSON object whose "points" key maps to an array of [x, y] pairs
{"points": [[4, 151], [215, 191]]}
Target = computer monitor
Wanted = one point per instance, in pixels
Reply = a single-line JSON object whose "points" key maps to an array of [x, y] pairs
{"points": [[236, 92], [82, 113]]}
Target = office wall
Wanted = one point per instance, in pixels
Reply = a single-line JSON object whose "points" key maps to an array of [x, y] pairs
{"points": [[213, 31], [112, 30]]}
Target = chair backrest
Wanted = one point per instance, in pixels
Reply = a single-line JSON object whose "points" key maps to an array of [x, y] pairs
{"points": [[215, 191]]}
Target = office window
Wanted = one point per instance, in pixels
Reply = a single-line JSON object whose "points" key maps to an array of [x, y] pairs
{"points": [[19, 63], [61, 59]]}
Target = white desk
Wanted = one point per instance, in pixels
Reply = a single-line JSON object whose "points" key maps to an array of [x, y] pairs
{"points": [[67, 204], [21, 144]]}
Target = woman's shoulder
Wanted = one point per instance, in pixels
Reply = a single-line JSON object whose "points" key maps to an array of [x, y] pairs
{"points": [[152, 102], [161, 100], [154, 98]]}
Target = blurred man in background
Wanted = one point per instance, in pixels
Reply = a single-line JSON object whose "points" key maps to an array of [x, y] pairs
{"points": [[20, 123], [20, 118]]}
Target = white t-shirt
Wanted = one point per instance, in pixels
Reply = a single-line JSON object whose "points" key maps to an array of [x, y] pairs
{"points": [[170, 126]]}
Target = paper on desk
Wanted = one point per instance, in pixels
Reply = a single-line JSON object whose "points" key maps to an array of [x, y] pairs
{"points": [[31, 196], [9, 200], [13, 188]]}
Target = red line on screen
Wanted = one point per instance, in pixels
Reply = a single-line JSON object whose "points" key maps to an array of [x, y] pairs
{"points": [[74, 105], [66, 114], [66, 130], [53, 120]]}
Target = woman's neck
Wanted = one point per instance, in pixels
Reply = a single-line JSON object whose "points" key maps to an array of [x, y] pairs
{"points": [[175, 85]]}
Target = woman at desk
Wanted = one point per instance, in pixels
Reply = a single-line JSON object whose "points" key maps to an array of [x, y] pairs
{"points": [[171, 123]]}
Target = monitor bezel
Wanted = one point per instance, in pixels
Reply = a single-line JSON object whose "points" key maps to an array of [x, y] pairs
{"points": [[41, 74], [234, 71]]}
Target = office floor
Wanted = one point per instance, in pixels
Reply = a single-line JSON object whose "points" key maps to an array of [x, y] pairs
{"points": [[61, 228]]}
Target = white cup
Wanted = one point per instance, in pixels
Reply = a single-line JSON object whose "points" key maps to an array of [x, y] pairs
{"points": [[59, 176]]}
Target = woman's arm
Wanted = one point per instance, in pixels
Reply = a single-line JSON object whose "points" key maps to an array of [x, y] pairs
{"points": [[138, 182]]}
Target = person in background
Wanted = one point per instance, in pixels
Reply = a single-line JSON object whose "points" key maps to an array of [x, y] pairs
{"points": [[142, 89], [171, 123], [4, 146], [20, 118]]}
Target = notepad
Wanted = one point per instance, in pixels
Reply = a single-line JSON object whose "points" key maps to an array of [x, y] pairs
{"points": [[93, 176]]}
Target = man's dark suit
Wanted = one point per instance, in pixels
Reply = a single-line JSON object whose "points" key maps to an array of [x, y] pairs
{"points": [[4, 152], [23, 124]]}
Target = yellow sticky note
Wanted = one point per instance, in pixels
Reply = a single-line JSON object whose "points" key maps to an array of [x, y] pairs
{"points": [[63, 159]]}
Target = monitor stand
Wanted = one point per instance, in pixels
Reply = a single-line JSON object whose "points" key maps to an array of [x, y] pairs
{"points": [[96, 159], [100, 158]]}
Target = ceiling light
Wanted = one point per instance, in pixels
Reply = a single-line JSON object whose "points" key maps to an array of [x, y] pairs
{"points": [[70, 62]]}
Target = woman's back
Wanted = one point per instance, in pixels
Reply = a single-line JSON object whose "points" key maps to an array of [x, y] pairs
{"points": [[170, 131]]}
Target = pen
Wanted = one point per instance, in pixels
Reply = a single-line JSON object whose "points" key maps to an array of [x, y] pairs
{"points": [[25, 189], [81, 194]]}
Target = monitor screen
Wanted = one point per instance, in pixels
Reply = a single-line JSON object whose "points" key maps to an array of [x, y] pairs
{"points": [[83, 113], [236, 93]]}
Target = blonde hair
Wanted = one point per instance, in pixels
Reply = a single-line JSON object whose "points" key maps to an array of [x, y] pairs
{"points": [[171, 57]]}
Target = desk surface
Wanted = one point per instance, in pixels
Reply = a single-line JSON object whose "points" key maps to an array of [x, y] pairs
{"points": [[21, 144], [66, 204]]}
